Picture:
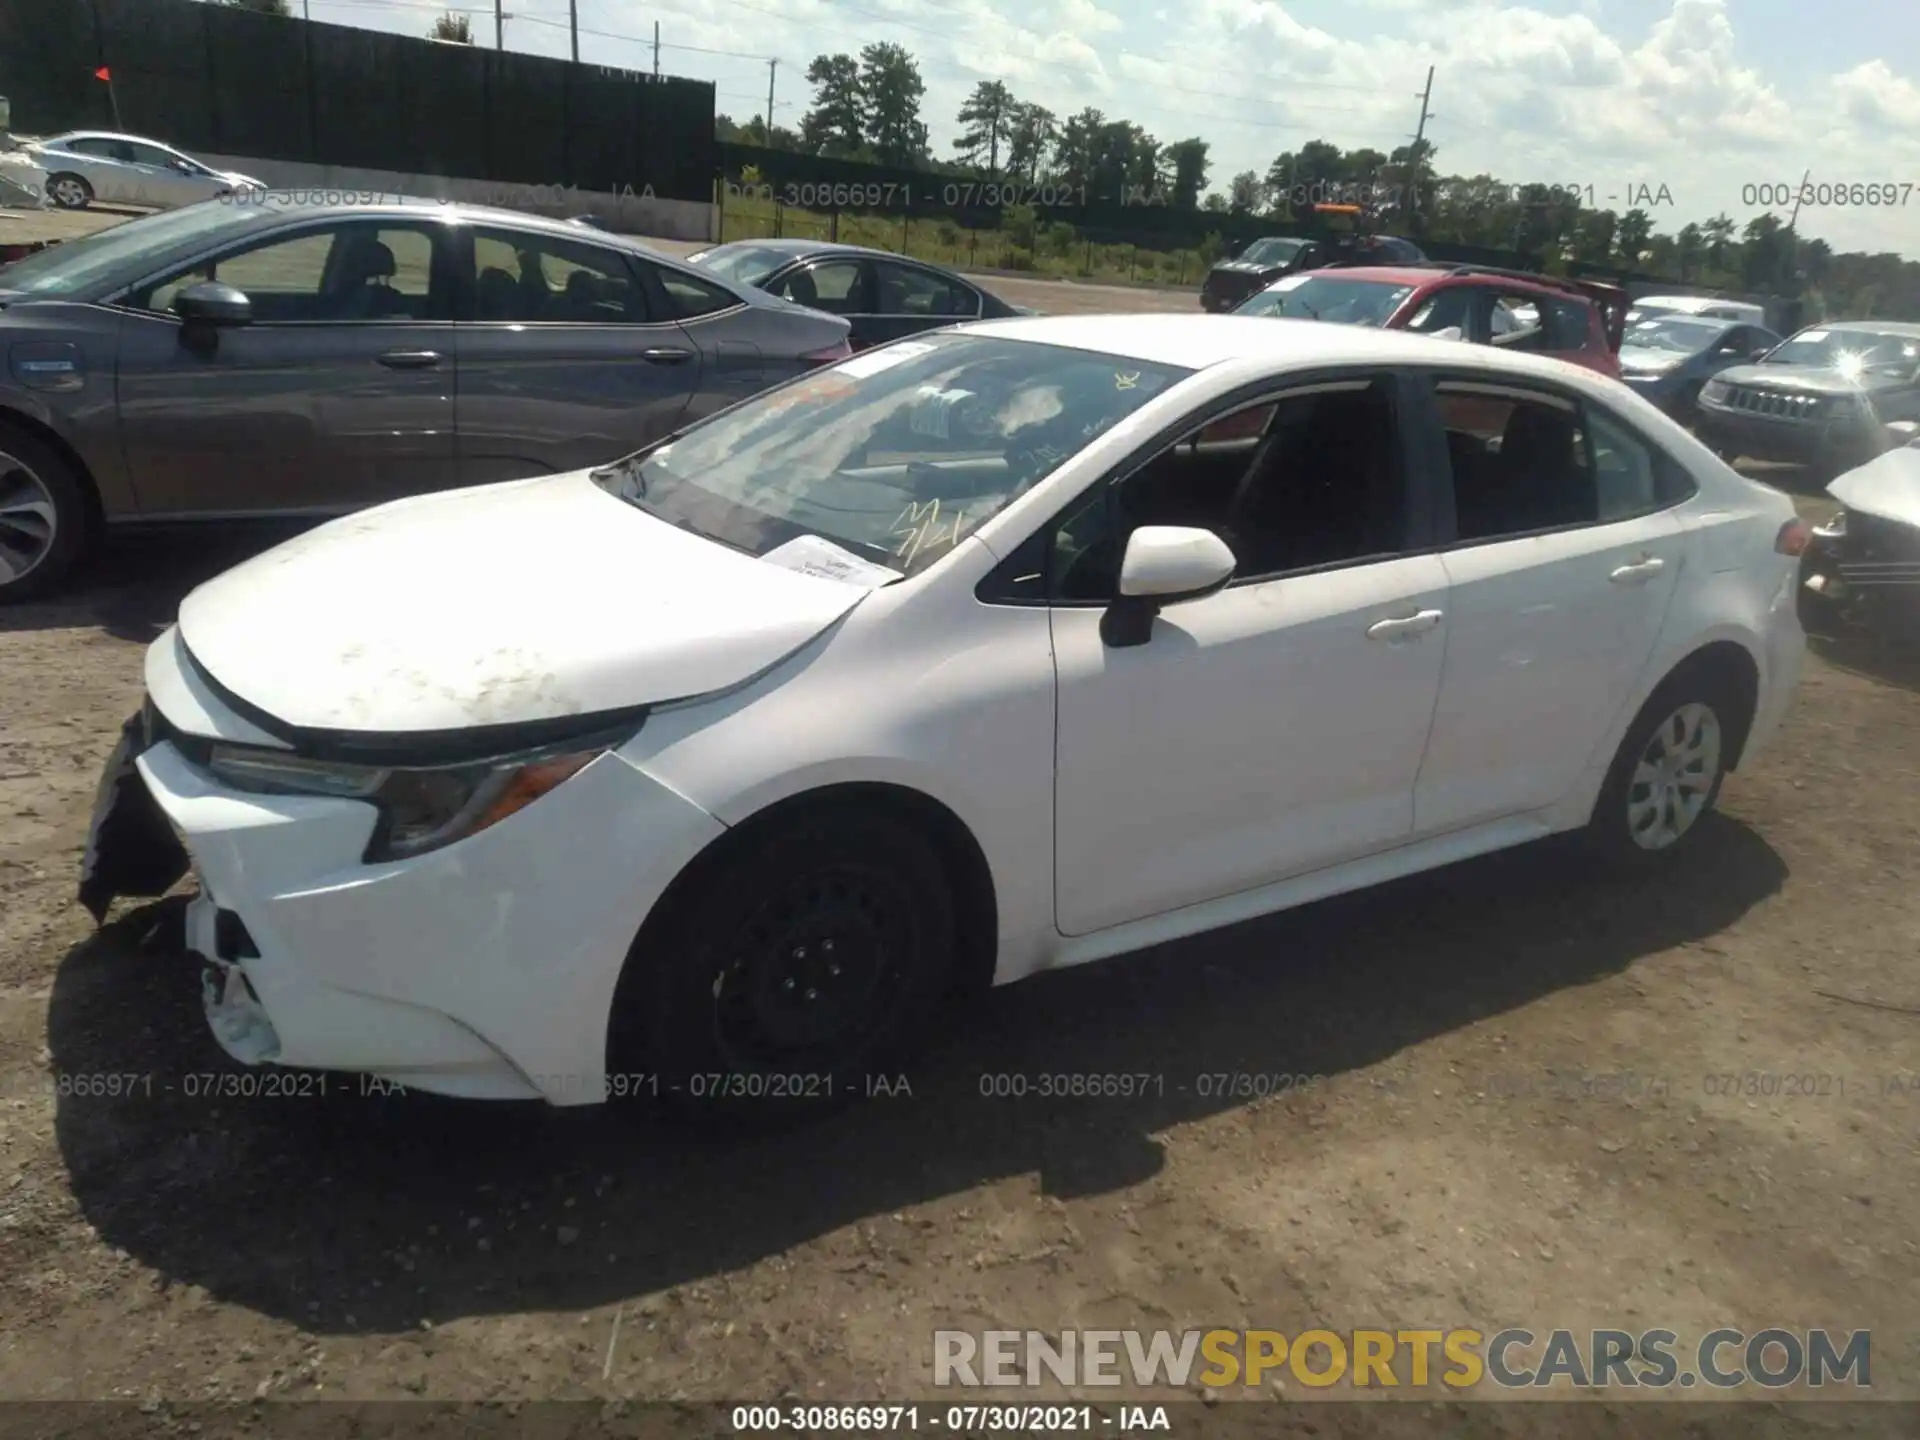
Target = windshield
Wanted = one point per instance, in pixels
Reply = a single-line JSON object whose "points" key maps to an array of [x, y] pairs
{"points": [[1848, 351], [76, 265], [747, 264], [1324, 297], [1682, 337], [888, 459], [1272, 252]]}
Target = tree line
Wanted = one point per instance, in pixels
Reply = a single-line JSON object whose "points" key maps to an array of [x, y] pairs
{"points": [[867, 107]]}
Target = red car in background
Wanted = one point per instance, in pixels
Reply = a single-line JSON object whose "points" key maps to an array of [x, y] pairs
{"points": [[1576, 320]]}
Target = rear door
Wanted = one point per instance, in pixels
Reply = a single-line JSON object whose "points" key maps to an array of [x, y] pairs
{"points": [[108, 167], [568, 355], [1565, 554], [339, 394]]}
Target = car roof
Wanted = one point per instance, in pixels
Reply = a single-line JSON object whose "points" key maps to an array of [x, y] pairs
{"points": [[1196, 342], [299, 204], [110, 135], [1385, 274], [803, 249]]}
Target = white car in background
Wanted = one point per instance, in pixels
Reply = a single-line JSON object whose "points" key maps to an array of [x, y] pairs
{"points": [[1001, 649], [87, 165], [1706, 307]]}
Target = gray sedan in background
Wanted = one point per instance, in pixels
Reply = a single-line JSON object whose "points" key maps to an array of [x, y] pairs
{"points": [[1667, 358], [268, 356]]}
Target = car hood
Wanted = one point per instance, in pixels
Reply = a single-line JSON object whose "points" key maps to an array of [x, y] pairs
{"points": [[1244, 267], [1647, 358], [1808, 380], [500, 604], [1887, 487]]}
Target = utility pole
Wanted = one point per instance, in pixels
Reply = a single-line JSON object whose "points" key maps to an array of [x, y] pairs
{"points": [[656, 49], [771, 64], [1419, 139], [499, 24], [573, 25]]}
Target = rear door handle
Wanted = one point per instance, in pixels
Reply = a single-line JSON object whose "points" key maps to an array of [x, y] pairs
{"points": [[1639, 572], [409, 359], [1406, 627], [666, 355]]}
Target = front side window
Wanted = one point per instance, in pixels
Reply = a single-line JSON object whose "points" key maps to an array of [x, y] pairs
{"points": [[122, 254], [532, 279], [1320, 483], [894, 456], [361, 271]]}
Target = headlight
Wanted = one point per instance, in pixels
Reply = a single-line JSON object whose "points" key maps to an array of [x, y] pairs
{"points": [[421, 807], [1714, 390]]}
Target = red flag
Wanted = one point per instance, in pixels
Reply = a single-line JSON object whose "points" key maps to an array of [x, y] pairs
{"points": [[103, 74]]}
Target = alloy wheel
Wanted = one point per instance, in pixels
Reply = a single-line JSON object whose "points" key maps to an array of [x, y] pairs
{"points": [[1674, 777], [67, 192], [28, 519]]}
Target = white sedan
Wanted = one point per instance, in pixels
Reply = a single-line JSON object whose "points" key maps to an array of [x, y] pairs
{"points": [[88, 165], [710, 774]]}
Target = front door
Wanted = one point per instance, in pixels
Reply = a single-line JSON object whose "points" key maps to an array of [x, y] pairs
{"points": [[1276, 726], [1566, 557], [568, 358], [338, 395]]}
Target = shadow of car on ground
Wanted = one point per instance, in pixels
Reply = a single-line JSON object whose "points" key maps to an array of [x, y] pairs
{"points": [[351, 1213]]}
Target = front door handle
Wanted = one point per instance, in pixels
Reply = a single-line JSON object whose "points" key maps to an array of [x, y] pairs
{"points": [[666, 355], [410, 359], [1405, 627], [1639, 572]]}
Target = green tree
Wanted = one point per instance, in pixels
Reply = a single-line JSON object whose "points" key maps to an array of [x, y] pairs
{"points": [[1076, 151], [1636, 229], [891, 90], [1687, 248], [1245, 193], [260, 7], [1032, 132], [1766, 252], [1188, 162], [986, 124], [455, 28], [837, 121], [1594, 239], [1718, 233]]}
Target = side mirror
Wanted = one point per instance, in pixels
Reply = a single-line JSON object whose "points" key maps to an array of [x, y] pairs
{"points": [[1164, 565], [212, 306]]}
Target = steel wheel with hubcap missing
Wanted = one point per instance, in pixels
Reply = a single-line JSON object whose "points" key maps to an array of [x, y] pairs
{"points": [[1674, 779], [29, 519], [800, 960]]}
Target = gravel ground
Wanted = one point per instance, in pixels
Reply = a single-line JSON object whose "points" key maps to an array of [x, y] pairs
{"points": [[1517, 1122]]}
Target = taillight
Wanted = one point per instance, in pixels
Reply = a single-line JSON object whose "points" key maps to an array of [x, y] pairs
{"points": [[1794, 537], [840, 350]]}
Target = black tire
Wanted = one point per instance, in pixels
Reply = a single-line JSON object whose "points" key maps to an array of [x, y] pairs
{"points": [[67, 183], [71, 519], [1611, 829], [715, 1006]]}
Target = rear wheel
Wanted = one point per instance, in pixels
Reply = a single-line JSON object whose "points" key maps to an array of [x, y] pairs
{"points": [[1667, 773], [43, 516], [799, 965], [69, 191]]}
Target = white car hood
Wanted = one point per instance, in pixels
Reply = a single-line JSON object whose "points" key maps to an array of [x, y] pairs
{"points": [[1887, 487], [495, 605]]}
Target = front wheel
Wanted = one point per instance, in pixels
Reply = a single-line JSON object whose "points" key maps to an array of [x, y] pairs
{"points": [[69, 192], [1666, 775], [43, 516], [796, 968]]}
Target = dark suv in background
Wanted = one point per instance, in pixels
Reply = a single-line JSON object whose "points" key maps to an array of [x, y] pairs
{"points": [[1272, 256]]}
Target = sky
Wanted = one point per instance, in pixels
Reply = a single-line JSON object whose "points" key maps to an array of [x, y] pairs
{"points": [[1699, 99]]}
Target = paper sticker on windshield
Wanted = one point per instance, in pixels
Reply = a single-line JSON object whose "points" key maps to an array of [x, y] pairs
{"points": [[1292, 282], [1812, 335], [810, 555], [874, 361]]}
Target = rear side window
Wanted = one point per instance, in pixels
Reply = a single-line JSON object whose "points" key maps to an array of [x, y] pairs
{"points": [[1569, 323], [1519, 461], [691, 297]]}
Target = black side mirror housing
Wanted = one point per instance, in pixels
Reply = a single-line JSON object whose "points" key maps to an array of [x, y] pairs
{"points": [[213, 306]]}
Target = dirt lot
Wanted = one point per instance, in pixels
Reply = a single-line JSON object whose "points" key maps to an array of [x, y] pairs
{"points": [[1520, 1121]]}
